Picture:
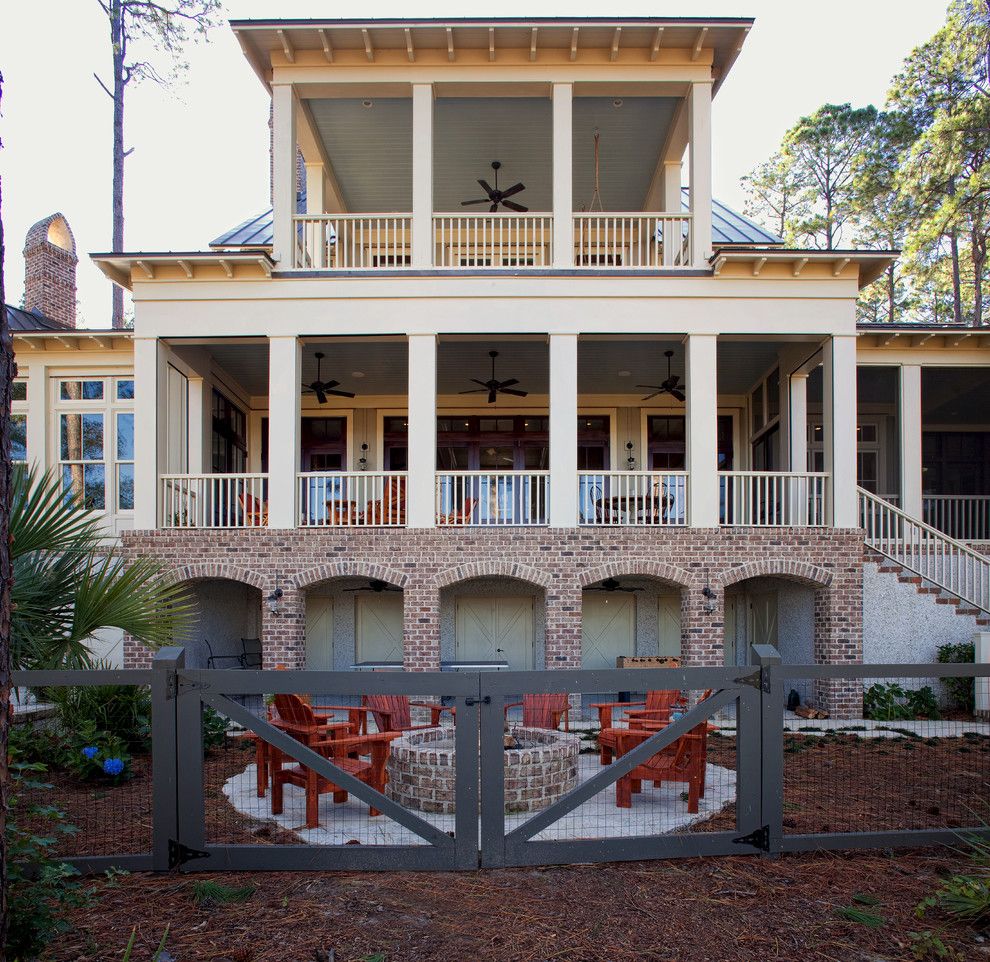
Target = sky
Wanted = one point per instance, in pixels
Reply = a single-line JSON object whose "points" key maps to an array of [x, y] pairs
{"points": [[200, 161]]}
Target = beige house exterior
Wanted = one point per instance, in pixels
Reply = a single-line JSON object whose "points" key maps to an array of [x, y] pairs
{"points": [[727, 501]]}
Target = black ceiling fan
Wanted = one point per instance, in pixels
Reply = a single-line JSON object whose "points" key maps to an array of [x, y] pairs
{"points": [[495, 387], [375, 585], [322, 389], [612, 584], [496, 196], [669, 386]]}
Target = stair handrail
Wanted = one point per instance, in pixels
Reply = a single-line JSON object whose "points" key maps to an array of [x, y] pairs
{"points": [[968, 579]]}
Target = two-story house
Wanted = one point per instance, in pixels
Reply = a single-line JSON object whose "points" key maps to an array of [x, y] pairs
{"points": [[497, 379]]}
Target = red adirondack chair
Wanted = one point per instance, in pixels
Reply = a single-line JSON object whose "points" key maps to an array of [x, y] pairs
{"points": [[347, 754], [657, 708], [458, 517], [393, 713], [255, 511], [543, 711], [681, 761]]}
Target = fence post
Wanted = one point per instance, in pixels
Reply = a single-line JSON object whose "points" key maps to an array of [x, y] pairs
{"points": [[164, 768], [766, 657]]}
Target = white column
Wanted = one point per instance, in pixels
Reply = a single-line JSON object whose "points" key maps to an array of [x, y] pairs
{"points": [[700, 136], [284, 376], [797, 421], [422, 441], [671, 188], [701, 460], [199, 420], [149, 408], [283, 173], [839, 428], [36, 422], [422, 186], [563, 167], [909, 425], [316, 182], [563, 430]]}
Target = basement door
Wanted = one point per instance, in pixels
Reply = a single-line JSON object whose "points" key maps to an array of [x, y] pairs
{"points": [[495, 629], [669, 625], [608, 628], [319, 633], [763, 618], [379, 627]]}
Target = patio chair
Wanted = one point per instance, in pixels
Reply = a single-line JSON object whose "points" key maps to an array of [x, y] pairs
{"points": [[683, 761], [461, 517], [213, 660], [255, 512], [251, 657], [393, 713], [391, 509], [657, 707], [347, 753], [342, 513], [543, 711]]}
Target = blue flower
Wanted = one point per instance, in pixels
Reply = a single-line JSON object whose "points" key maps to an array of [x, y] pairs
{"points": [[113, 766], [90, 751]]}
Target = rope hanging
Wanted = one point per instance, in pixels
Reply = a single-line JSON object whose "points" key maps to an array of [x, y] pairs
{"points": [[596, 197]]}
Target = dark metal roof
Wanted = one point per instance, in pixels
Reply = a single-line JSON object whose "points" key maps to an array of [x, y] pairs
{"points": [[21, 321], [728, 227]]}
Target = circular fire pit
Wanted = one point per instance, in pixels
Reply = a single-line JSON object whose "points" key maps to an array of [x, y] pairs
{"points": [[421, 769]]}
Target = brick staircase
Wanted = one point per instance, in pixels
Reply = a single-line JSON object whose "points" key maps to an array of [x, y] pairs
{"points": [[923, 586]]}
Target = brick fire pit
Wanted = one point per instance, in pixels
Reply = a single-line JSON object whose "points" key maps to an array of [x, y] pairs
{"points": [[538, 772]]}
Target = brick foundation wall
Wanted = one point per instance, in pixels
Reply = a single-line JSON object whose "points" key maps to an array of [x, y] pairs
{"points": [[561, 561]]}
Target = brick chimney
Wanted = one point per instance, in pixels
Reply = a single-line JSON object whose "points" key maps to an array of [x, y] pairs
{"points": [[50, 270]]}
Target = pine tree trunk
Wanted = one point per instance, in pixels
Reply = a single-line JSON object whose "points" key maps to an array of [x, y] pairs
{"points": [[891, 294], [957, 314], [6, 373], [978, 244], [117, 243]]}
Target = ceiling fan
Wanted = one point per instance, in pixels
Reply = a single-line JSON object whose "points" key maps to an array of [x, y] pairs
{"points": [[669, 386], [496, 196], [495, 387], [322, 389], [612, 584], [375, 585]]}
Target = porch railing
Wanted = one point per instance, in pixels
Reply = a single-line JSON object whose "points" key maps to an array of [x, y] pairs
{"points": [[366, 499], [925, 550], [492, 498], [772, 498], [493, 240], [633, 240], [214, 500], [352, 241], [965, 517], [632, 498]]}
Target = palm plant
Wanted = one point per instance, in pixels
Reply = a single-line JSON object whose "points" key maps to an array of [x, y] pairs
{"points": [[68, 583]]}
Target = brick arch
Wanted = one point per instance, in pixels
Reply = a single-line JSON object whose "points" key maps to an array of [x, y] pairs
{"points": [[488, 569], [224, 572], [634, 567], [799, 571], [349, 569]]}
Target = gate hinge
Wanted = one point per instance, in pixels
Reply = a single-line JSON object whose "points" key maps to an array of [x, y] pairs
{"points": [[760, 838], [484, 700], [184, 686], [753, 679], [179, 854]]}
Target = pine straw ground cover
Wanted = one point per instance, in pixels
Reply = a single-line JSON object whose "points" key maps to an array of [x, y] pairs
{"points": [[696, 910]]}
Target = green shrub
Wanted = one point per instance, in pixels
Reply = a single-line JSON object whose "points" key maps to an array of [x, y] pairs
{"points": [[961, 691], [891, 702], [90, 754], [41, 888], [214, 729], [121, 712]]}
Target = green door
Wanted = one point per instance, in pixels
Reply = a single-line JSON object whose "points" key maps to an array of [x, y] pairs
{"points": [[319, 633], [495, 629], [379, 627], [608, 628], [669, 625]]}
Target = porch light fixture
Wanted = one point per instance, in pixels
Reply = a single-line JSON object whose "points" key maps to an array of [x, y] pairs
{"points": [[709, 593], [630, 458], [617, 103], [363, 460], [273, 600], [367, 104]]}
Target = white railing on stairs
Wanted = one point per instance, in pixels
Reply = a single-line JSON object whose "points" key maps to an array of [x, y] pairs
{"points": [[925, 550]]}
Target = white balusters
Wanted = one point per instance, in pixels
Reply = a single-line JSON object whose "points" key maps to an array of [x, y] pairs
{"points": [[493, 240], [773, 498], [492, 498], [365, 499], [632, 498], [214, 500], [624, 241], [353, 241]]}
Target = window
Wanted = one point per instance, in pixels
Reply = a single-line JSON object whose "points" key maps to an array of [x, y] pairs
{"points": [[18, 422], [773, 395], [94, 427], [229, 436], [757, 405], [19, 391]]}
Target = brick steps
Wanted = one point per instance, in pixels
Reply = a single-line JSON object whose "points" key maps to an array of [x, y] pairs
{"points": [[925, 587]]}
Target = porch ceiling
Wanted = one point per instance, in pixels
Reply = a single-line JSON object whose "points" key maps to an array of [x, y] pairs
{"points": [[370, 149]]}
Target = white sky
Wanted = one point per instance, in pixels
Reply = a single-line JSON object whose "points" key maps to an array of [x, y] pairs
{"points": [[200, 162]]}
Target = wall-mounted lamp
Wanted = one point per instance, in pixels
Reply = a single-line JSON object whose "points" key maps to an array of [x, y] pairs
{"points": [[272, 601], [363, 460], [630, 458], [709, 594]]}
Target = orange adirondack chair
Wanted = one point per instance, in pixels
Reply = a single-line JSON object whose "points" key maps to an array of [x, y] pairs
{"points": [[461, 517], [392, 713], [657, 708], [255, 511], [682, 761], [392, 508], [543, 711], [347, 754]]}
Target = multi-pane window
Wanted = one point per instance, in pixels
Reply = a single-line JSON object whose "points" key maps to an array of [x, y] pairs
{"points": [[18, 421], [95, 440], [229, 436]]}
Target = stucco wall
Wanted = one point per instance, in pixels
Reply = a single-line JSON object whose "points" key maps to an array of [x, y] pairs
{"points": [[226, 611]]}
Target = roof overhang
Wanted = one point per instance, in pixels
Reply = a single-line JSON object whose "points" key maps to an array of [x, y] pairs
{"points": [[244, 264], [624, 39], [869, 264], [80, 338], [919, 335]]}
